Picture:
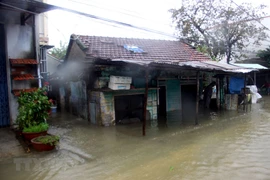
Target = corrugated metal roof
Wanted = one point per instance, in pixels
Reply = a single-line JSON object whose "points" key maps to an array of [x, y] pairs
{"points": [[201, 65], [251, 66]]}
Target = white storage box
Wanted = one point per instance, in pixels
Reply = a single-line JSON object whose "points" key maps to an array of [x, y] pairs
{"points": [[120, 79], [117, 86]]}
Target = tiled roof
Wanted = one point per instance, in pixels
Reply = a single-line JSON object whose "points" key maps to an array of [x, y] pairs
{"points": [[17, 92], [23, 61], [23, 77], [154, 50]]}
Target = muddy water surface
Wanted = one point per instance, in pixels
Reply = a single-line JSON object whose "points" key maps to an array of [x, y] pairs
{"points": [[226, 145]]}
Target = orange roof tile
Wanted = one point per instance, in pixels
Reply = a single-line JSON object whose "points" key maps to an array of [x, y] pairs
{"points": [[23, 61]]}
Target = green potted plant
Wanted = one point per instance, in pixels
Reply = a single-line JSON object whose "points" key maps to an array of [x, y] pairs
{"points": [[45, 143], [34, 109]]}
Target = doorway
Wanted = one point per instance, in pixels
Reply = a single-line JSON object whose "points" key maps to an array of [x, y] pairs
{"points": [[162, 102], [4, 104], [188, 94]]}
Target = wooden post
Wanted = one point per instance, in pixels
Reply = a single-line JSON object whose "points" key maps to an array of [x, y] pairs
{"points": [[145, 101], [197, 99], [218, 100], [245, 101], [255, 82], [228, 87]]}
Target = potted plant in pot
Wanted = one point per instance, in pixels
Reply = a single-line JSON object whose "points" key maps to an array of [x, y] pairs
{"points": [[33, 112], [45, 143]]}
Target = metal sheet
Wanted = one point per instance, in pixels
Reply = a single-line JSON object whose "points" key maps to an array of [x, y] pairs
{"points": [[27, 6], [201, 65], [251, 66], [173, 101], [93, 112]]}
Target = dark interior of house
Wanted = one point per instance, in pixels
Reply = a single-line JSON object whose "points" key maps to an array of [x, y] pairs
{"points": [[128, 109], [188, 103]]}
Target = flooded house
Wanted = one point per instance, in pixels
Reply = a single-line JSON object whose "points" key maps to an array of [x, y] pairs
{"points": [[20, 60], [124, 80]]}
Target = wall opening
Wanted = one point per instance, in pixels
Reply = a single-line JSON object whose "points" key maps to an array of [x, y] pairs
{"points": [[162, 110], [128, 109], [188, 93]]}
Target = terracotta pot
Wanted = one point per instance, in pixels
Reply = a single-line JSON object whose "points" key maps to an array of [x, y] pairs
{"points": [[41, 147], [30, 135]]}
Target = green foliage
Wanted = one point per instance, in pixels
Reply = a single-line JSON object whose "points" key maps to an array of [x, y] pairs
{"points": [[37, 128], [59, 52], [48, 139], [219, 25], [264, 54], [205, 50], [33, 108]]}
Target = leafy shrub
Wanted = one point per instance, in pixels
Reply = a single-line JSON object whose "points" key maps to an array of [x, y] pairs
{"points": [[33, 108], [37, 128], [48, 139]]}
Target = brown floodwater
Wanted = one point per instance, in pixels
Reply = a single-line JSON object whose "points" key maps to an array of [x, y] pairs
{"points": [[227, 145]]}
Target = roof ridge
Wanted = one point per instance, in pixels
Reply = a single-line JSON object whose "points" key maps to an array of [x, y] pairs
{"points": [[79, 35]]}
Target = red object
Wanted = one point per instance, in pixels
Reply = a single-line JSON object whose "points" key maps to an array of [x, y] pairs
{"points": [[23, 61], [28, 136], [17, 92], [46, 83], [41, 147], [23, 77]]}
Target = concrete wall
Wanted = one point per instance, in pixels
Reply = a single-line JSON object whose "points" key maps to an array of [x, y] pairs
{"points": [[52, 64], [102, 111], [10, 17], [20, 44], [78, 96], [78, 99], [76, 54]]}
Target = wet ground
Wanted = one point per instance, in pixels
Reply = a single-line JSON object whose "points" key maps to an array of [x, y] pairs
{"points": [[228, 145]]}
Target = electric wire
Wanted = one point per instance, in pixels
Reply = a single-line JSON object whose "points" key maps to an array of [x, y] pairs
{"points": [[104, 19], [124, 13], [253, 18]]}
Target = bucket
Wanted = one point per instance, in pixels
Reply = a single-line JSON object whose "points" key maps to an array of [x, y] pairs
{"points": [[54, 109]]}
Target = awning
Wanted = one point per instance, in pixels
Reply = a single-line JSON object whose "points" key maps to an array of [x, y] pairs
{"points": [[30, 6], [196, 65], [251, 66]]}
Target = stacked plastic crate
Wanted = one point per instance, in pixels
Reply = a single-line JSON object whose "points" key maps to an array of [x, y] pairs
{"points": [[119, 82]]}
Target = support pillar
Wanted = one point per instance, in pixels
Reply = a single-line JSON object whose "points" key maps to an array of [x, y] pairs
{"points": [[197, 98], [145, 101]]}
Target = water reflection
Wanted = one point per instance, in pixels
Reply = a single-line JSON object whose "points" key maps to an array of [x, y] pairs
{"points": [[227, 145]]}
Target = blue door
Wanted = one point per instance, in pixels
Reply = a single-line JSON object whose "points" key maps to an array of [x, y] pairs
{"points": [[4, 107]]}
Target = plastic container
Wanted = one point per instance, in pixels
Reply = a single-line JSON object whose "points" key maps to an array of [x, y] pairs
{"points": [[118, 86], [120, 79], [53, 109]]}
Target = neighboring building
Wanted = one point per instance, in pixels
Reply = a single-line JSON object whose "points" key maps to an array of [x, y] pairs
{"points": [[19, 53], [172, 71], [43, 27], [52, 64], [263, 75]]}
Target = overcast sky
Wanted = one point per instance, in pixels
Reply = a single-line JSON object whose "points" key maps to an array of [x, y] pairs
{"points": [[151, 14]]}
